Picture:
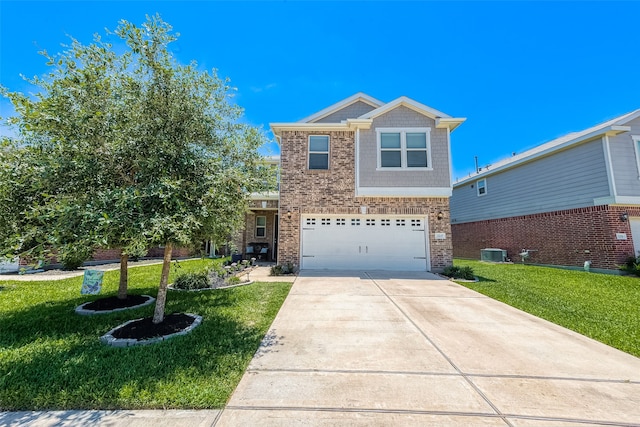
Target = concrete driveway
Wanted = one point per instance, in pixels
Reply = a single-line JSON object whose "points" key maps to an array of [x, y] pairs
{"points": [[384, 348]]}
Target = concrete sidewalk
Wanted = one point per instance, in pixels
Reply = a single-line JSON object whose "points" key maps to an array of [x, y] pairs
{"points": [[412, 349], [140, 418]]}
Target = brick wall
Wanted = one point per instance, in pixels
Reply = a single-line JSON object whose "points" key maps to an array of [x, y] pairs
{"points": [[332, 191], [175, 253], [114, 255], [568, 237]]}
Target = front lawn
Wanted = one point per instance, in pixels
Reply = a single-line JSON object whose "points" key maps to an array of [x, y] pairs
{"points": [[601, 306], [51, 358]]}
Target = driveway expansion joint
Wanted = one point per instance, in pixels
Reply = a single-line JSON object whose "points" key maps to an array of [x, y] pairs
{"points": [[363, 410], [441, 374], [439, 350]]}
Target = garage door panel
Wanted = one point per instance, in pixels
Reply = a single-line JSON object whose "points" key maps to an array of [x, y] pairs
{"points": [[364, 242]]}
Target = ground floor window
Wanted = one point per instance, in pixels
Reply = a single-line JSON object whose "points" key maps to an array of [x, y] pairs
{"points": [[261, 226]]}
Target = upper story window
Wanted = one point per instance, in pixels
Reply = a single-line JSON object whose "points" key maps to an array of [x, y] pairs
{"points": [[481, 187], [319, 152], [404, 148]]}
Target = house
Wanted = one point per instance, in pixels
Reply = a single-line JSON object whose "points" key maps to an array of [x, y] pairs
{"points": [[363, 185], [565, 202]]}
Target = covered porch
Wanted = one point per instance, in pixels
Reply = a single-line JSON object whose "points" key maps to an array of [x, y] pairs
{"points": [[259, 239]]}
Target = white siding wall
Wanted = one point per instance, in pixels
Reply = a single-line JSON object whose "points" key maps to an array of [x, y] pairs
{"points": [[565, 180], [623, 159], [404, 117]]}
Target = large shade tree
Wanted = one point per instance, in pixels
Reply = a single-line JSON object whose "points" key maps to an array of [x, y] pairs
{"points": [[154, 151]]}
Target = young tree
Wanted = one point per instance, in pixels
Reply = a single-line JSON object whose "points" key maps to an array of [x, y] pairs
{"points": [[156, 148], [57, 184]]}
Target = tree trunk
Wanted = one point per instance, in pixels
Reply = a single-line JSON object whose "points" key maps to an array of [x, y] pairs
{"points": [[124, 276], [158, 315]]}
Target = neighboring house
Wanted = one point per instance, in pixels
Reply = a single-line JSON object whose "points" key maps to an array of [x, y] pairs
{"points": [[570, 200], [7, 266], [363, 185]]}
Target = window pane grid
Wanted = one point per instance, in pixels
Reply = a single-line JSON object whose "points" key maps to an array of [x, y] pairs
{"points": [[408, 148], [318, 152], [482, 187], [261, 226]]}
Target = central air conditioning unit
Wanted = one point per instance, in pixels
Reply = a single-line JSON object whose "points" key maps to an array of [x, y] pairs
{"points": [[493, 255]]}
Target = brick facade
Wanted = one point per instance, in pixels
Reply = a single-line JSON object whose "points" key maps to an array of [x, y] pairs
{"points": [[567, 237], [332, 191]]}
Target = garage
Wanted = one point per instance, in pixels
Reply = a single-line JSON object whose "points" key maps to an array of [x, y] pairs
{"points": [[365, 242]]}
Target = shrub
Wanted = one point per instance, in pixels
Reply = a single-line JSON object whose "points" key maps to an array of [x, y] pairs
{"points": [[72, 257], [467, 273], [195, 280], [279, 270], [451, 271], [631, 265], [233, 280], [276, 270], [454, 272]]}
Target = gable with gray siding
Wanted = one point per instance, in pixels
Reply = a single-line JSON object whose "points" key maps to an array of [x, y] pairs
{"points": [[564, 180], [352, 111], [623, 159], [403, 117]]}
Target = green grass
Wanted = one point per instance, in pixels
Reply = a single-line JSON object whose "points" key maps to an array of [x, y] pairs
{"points": [[601, 306], [51, 358]]}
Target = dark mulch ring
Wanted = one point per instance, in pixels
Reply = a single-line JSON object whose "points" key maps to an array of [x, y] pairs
{"points": [[112, 303], [143, 329]]}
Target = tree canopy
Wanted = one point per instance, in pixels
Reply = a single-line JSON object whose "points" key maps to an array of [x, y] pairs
{"points": [[126, 149]]}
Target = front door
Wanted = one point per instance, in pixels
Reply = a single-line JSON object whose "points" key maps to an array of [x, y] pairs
{"points": [[274, 253]]}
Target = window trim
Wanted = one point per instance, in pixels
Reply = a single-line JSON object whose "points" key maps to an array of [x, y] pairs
{"points": [[636, 148], [478, 187], [328, 152], [403, 148], [261, 226]]}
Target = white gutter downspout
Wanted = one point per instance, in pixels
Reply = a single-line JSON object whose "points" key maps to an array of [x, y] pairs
{"points": [[450, 162], [609, 166]]}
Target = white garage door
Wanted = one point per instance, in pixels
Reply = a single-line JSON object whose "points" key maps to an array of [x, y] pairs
{"points": [[364, 243]]}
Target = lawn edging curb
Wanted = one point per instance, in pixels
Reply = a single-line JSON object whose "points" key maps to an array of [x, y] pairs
{"points": [[112, 341], [170, 287], [86, 312]]}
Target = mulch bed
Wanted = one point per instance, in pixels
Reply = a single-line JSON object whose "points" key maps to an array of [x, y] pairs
{"points": [[145, 328], [112, 303]]}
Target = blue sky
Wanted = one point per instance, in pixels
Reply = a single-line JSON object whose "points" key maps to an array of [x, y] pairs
{"points": [[522, 73]]}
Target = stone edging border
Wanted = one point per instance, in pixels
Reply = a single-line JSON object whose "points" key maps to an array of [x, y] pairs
{"points": [[451, 279], [86, 312], [476, 280], [109, 339], [209, 289]]}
